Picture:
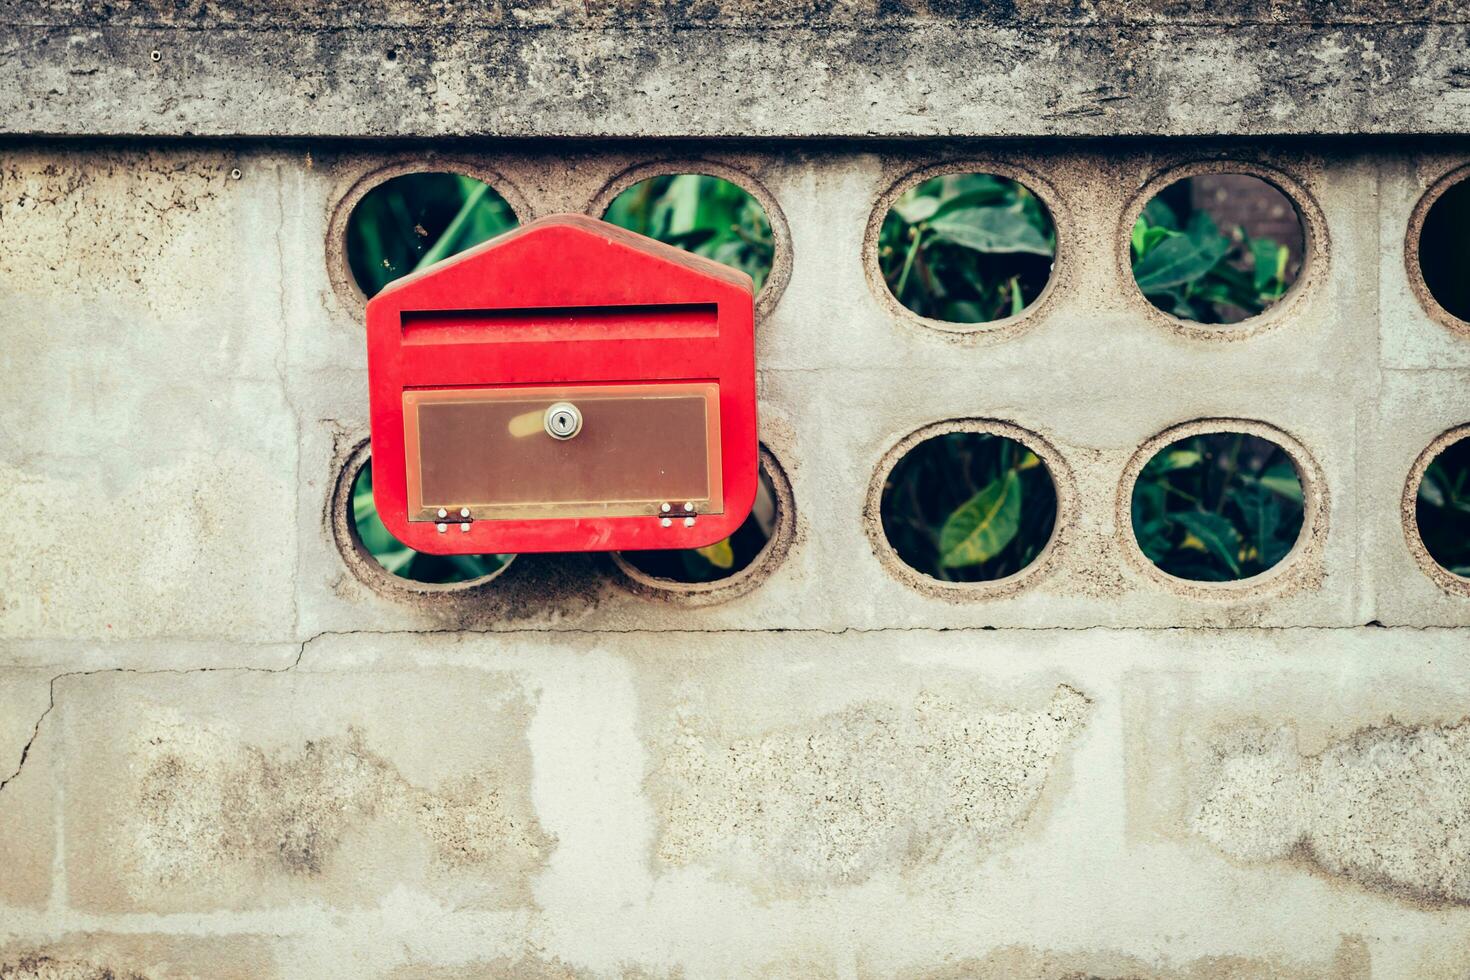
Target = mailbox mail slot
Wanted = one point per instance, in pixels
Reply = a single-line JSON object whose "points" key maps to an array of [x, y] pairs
{"points": [[568, 386]]}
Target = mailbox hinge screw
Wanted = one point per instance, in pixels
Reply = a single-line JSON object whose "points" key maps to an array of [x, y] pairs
{"points": [[443, 528], [688, 507], [666, 508], [443, 512], [666, 522], [464, 512], [688, 522], [465, 526]]}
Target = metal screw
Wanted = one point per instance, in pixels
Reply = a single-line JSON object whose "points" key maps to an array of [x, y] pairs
{"points": [[666, 508], [235, 174], [666, 522], [563, 420], [443, 528], [465, 526], [155, 55], [688, 522], [443, 512], [464, 512], [688, 507]]}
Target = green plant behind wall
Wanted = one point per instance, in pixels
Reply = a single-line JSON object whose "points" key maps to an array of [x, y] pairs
{"points": [[967, 248], [1196, 272], [968, 507], [1218, 507], [412, 221], [402, 225], [1443, 508], [704, 215]]}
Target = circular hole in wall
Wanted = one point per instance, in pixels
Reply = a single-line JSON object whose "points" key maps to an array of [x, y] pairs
{"points": [[967, 248], [1444, 250], [1217, 248], [723, 559], [400, 560], [411, 221], [968, 507], [1442, 508], [708, 216], [1218, 507]]}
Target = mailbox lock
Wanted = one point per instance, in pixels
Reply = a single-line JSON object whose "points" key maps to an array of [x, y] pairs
{"points": [[563, 420]]}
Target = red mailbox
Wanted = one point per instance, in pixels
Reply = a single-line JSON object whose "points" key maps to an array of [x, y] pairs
{"points": [[567, 386]]}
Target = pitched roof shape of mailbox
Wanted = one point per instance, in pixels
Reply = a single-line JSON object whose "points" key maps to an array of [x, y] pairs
{"points": [[481, 366]]}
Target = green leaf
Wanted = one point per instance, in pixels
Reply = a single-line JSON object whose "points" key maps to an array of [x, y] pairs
{"points": [[445, 246], [1182, 259], [1430, 489], [395, 559], [1261, 510], [683, 194], [1178, 459], [1018, 302], [1151, 239], [1160, 215], [1263, 262], [1218, 534], [1137, 238], [991, 230], [964, 311], [1153, 539], [982, 526], [1282, 478], [1182, 307], [720, 554], [916, 209], [997, 194]]}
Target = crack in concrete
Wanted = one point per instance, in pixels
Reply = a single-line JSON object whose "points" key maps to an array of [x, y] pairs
{"points": [[25, 750], [301, 650]]}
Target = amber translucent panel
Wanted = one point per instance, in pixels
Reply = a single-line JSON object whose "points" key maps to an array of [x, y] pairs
{"points": [[640, 446]]}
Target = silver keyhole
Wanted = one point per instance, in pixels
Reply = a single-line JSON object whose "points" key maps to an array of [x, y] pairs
{"points": [[563, 420]]}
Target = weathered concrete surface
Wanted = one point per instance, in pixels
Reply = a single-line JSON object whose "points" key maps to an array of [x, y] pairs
{"points": [[876, 788], [1363, 789], [227, 749], [687, 68], [1008, 963], [843, 804], [90, 956], [299, 792], [27, 848], [104, 287], [206, 386], [1361, 808]]}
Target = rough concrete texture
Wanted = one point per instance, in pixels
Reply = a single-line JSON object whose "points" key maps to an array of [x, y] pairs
{"points": [[26, 846], [1388, 806], [1023, 963], [850, 68], [226, 748], [145, 956], [101, 267], [296, 795], [874, 826], [877, 787]]}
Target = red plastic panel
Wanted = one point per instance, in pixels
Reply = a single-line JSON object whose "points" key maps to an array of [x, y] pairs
{"points": [[569, 307]]}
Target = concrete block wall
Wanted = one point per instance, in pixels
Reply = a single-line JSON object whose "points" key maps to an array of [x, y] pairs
{"points": [[231, 747]]}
